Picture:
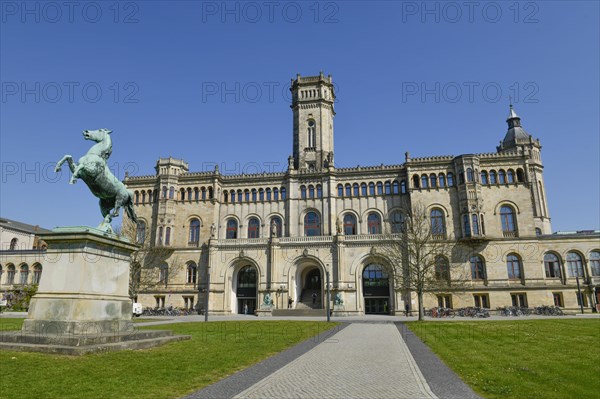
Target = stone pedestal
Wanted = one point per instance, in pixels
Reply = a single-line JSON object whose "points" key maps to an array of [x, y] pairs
{"points": [[85, 286]]}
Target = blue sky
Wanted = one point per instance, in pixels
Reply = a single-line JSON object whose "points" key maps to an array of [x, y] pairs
{"points": [[207, 82]]}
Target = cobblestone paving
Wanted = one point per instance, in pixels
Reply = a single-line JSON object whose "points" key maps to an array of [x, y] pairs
{"points": [[361, 361]]}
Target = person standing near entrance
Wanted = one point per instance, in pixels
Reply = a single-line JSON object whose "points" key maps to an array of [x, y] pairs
{"points": [[406, 309], [314, 297], [290, 300], [245, 308]]}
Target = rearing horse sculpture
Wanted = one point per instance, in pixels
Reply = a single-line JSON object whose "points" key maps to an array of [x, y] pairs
{"points": [[93, 170]]}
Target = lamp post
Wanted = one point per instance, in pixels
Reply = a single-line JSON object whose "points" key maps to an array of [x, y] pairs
{"points": [[327, 299], [206, 294], [579, 292]]}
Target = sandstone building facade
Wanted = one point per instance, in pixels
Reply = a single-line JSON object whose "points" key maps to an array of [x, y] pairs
{"points": [[282, 235]]}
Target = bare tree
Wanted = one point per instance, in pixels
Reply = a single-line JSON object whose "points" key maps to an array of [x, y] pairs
{"points": [[145, 265], [421, 256]]}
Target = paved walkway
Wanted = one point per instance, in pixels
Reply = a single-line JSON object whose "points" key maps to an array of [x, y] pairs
{"points": [[361, 361]]}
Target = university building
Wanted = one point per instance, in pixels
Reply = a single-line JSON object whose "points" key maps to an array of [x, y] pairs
{"points": [[283, 235]]}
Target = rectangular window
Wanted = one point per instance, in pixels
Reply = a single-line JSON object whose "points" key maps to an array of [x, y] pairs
{"points": [[519, 300], [445, 301], [558, 299], [160, 301], [481, 300], [580, 298]]}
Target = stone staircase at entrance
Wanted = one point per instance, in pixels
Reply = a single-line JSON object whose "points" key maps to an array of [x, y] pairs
{"points": [[305, 307]]}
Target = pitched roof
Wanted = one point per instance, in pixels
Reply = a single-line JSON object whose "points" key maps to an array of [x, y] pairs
{"points": [[20, 226]]}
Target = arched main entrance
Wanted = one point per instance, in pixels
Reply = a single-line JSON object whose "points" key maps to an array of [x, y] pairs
{"points": [[376, 289], [310, 288], [246, 290]]}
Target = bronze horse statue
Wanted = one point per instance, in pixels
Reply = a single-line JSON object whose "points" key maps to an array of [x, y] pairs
{"points": [[93, 170]]}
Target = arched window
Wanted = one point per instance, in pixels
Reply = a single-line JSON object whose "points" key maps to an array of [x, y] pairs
{"points": [[312, 135], [247, 280], [276, 194], [538, 231], [437, 222], [513, 267], [355, 189], [140, 234], [374, 275], [374, 223], [232, 196], [492, 177], [477, 268], [160, 235], [340, 190], [24, 275], [371, 188], [510, 176], [197, 193], [168, 236], [520, 175], [442, 269], [163, 274], [137, 197], [348, 190], [475, 224], [278, 225], [552, 265], [303, 192], [311, 191], [10, 274], [363, 189], [319, 191], [253, 228], [210, 193], [395, 187], [194, 232], [150, 196], [261, 194], [240, 196], [424, 181], [442, 180], [470, 175], [312, 225], [450, 179], [13, 244], [254, 197], [191, 273], [403, 186], [416, 183], [396, 222], [181, 194], [283, 193], [467, 225], [595, 263], [574, 265], [171, 192], [268, 194], [379, 188], [349, 224], [143, 197], [247, 195], [164, 192], [388, 188], [507, 217], [232, 229], [433, 180], [461, 177], [501, 176], [484, 177], [37, 273], [225, 196]]}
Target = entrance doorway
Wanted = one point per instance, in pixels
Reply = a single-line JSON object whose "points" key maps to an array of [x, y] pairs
{"points": [[311, 293], [376, 290], [246, 290]]}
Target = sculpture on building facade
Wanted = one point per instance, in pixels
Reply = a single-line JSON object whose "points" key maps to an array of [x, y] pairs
{"points": [[93, 170]]}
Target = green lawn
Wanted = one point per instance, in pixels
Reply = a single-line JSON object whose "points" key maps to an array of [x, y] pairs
{"points": [[556, 358], [216, 350]]}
